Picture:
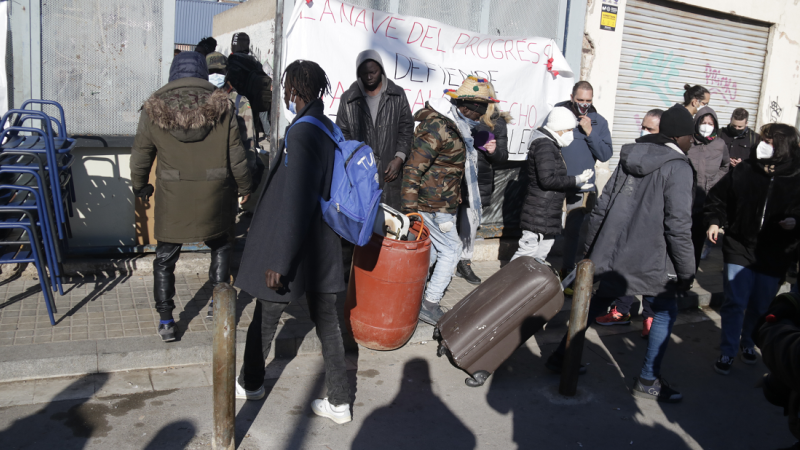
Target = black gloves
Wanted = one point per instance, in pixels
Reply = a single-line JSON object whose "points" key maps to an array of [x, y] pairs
{"points": [[145, 192], [684, 284]]}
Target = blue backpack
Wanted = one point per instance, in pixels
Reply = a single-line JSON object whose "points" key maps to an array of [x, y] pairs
{"points": [[355, 194]]}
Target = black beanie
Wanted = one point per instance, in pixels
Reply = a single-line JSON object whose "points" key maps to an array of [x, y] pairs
{"points": [[240, 43], [676, 121]]}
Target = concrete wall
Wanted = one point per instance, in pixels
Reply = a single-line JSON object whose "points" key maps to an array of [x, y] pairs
{"points": [[780, 90], [254, 17]]}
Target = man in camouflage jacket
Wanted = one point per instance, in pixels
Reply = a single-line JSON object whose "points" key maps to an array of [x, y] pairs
{"points": [[432, 187]]}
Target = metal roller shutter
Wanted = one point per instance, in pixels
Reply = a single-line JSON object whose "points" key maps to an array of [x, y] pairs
{"points": [[664, 48]]}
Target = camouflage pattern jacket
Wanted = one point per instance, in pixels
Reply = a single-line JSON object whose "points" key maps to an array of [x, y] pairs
{"points": [[432, 174], [247, 125]]}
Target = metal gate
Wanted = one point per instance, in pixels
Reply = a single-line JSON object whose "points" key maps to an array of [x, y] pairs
{"points": [[664, 48], [101, 59]]}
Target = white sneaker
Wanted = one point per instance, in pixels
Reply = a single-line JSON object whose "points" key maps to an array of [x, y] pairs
{"points": [[244, 394], [339, 414]]}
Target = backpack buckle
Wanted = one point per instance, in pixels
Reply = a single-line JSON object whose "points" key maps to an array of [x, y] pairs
{"points": [[337, 208]]}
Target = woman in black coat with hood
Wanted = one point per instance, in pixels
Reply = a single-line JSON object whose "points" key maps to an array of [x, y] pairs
{"points": [[758, 204], [548, 184]]}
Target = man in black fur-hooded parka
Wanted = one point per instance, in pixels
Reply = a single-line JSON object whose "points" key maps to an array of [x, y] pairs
{"points": [[191, 126]]}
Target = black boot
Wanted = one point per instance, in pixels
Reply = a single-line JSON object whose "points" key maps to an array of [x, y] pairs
{"points": [[220, 269], [167, 255], [464, 270]]}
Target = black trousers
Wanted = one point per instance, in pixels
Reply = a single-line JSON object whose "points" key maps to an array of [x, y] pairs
{"points": [[167, 255], [623, 305], [325, 316], [698, 239]]}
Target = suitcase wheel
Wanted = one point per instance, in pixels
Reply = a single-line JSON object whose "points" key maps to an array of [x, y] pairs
{"points": [[441, 351], [436, 334], [478, 378]]}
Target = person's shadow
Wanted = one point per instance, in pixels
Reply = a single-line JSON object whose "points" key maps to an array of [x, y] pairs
{"points": [[416, 418]]}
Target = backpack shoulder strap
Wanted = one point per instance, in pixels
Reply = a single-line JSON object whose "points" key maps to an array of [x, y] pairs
{"points": [[336, 136], [238, 100]]}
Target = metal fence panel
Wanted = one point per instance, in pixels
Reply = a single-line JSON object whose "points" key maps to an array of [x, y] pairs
{"points": [[101, 59]]}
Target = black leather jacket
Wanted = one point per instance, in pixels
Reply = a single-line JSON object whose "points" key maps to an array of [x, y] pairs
{"points": [[392, 132]]}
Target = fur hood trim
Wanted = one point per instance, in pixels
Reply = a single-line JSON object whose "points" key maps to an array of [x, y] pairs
{"points": [[187, 108]]}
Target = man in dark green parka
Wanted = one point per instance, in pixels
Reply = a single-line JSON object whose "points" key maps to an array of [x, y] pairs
{"points": [[191, 127]]}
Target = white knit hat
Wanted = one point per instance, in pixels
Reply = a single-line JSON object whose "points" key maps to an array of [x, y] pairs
{"points": [[561, 119]]}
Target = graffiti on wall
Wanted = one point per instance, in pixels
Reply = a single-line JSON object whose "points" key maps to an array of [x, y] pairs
{"points": [[775, 110], [718, 83], [655, 73]]}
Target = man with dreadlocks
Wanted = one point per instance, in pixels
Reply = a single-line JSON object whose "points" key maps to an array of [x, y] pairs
{"points": [[290, 251]]}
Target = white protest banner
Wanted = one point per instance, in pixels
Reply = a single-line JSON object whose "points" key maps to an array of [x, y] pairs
{"points": [[426, 57]]}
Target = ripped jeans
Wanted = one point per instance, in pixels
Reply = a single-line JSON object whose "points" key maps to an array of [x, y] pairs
{"points": [[445, 252]]}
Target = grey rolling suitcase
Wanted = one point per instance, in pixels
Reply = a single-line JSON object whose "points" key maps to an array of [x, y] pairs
{"points": [[490, 323]]}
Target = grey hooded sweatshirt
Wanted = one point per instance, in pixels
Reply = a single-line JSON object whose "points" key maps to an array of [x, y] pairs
{"points": [[640, 231]]}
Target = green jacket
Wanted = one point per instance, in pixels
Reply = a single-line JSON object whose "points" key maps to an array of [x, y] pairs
{"points": [[432, 174], [190, 126]]}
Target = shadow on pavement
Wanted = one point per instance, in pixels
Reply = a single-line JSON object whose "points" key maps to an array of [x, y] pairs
{"points": [[416, 418], [101, 286], [174, 435], [79, 420]]}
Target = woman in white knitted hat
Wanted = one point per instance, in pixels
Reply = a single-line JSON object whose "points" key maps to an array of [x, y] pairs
{"points": [[548, 183]]}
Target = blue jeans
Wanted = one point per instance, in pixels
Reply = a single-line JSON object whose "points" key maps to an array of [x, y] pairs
{"points": [[665, 311], [445, 252], [748, 295]]}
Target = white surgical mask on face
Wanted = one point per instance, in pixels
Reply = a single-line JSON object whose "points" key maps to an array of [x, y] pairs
{"points": [[644, 133], [706, 129], [217, 79], [566, 139], [764, 151]]}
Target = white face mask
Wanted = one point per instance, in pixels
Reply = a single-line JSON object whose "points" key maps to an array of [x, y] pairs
{"points": [[644, 133], [706, 129], [764, 151], [566, 138], [217, 79]]}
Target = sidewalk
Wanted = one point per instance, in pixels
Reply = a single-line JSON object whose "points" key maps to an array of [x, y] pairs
{"points": [[107, 324]]}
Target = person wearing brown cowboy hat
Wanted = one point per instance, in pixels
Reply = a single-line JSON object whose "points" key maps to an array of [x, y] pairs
{"points": [[441, 154]]}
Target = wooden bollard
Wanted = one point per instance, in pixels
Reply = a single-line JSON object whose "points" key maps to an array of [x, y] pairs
{"points": [[224, 366], [578, 319]]}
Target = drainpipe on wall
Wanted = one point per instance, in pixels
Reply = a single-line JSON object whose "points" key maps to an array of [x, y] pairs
{"points": [[566, 30], [277, 71]]}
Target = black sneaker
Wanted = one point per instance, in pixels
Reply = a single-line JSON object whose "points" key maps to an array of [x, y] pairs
{"points": [[658, 391], [749, 355], [210, 314], [723, 365], [167, 331], [464, 270], [430, 313], [554, 363]]}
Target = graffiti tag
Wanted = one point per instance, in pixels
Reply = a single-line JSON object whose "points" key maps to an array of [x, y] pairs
{"points": [[719, 84], [656, 71], [775, 110]]}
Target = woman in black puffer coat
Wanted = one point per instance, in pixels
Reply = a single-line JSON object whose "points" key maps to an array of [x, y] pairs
{"points": [[548, 183]]}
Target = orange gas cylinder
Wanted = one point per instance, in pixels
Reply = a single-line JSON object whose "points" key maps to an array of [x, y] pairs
{"points": [[385, 290]]}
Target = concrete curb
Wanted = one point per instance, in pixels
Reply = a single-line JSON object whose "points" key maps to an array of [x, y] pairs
{"points": [[61, 359]]}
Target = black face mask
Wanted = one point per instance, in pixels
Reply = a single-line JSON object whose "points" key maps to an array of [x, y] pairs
{"points": [[736, 133]]}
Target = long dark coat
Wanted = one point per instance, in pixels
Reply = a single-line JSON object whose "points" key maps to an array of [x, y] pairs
{"points": [[640, 229], [749, 203], [548, 184], [287, 234], [486, 161], [392, 132]]}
